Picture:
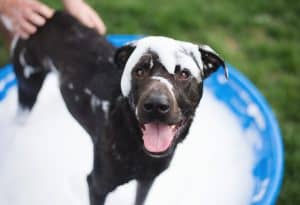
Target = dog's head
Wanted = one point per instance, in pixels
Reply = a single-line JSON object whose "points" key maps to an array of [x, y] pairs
{"points": [[163, 80]]}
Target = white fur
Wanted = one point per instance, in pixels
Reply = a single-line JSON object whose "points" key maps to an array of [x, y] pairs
{"points": [[170, 52], [95, 102], [48, 63], [105, 108], [87, 91], [151, 63], [22, 58], [166, 83], [13, 45], [28, 69]]}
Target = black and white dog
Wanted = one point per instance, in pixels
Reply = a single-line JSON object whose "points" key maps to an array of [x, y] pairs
{"points": [[136, 102]]}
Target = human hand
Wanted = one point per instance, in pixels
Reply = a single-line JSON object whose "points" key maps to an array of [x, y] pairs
{"points": [[25, 15], [85, 14]]}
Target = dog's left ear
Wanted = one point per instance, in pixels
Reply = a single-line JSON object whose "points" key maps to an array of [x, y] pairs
{"points": [[211, 61], [122, 55]]}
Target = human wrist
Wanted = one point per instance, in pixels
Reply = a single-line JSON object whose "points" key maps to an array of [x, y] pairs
{"points": [[68, 2]]}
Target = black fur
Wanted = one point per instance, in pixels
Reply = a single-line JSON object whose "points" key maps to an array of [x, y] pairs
{"points": [[87, 72], [85, 59]]}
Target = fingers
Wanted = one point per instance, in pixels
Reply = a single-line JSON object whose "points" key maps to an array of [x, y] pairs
{"points": [[36, 19], [27, 16], [41, 9], [24, 29], [98, 23], [22, 34], [27, 27], [94, 21], [86, 21], [27, 22], [85, 14]]}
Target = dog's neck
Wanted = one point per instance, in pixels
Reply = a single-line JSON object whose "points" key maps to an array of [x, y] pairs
{"points": [[122, 116]]}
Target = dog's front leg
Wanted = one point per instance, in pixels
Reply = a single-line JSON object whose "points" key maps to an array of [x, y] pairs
{"points": [[97, 196], [142, 191]]}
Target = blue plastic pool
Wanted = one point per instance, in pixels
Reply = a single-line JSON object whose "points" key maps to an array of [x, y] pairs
{"points": [[241, 96]]}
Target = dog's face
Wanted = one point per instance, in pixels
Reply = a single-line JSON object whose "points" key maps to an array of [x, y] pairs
{"points": [[163, 81]]}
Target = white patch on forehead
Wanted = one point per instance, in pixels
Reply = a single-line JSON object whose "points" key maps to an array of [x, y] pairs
{"points": [[165, 82], [170, 53]]}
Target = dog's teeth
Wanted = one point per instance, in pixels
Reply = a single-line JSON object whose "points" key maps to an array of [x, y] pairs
{"points": [[174, 127]]}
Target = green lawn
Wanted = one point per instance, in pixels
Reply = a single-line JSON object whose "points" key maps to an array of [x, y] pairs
{"points": [[261, 38]]}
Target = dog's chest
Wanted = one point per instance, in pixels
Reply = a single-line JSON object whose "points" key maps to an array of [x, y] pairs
{"points": [[133, 163]]}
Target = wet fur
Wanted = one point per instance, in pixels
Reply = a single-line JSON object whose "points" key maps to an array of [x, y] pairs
{"points": [[84, 61]]}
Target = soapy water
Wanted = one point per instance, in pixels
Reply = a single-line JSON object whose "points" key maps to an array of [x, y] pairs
{"points": [[45, 157]]}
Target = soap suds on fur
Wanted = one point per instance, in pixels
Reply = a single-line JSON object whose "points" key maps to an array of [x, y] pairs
{"points": [[170, 52]]}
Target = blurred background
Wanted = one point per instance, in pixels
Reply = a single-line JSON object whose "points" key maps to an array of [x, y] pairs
{"points": [[259, 37]]}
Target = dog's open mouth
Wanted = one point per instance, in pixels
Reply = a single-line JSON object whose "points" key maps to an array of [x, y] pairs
{"points": [[159, 137]]}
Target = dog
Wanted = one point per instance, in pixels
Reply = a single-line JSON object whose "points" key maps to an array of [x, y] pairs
{"points": [[136, 102]]}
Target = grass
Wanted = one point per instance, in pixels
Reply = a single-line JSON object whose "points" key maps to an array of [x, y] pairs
{"points": [[261, 38]]}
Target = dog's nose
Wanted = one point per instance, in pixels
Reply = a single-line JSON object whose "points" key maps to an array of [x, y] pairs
{"points": [[157, 102]]}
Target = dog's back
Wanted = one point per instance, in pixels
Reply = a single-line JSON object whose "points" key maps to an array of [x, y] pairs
{"points": [[83, 60]]}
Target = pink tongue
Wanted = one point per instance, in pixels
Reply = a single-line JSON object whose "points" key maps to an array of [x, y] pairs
{"points": [[158, 137]]}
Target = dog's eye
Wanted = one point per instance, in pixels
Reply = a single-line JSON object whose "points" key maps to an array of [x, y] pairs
{"points": [[184, 74], [139, 72]]}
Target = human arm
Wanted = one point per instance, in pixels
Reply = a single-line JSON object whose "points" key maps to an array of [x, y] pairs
{"points": [[25, 15], [85, 14]]}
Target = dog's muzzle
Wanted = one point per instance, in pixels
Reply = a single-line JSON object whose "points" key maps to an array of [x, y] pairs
{"points": [[159, 118]]}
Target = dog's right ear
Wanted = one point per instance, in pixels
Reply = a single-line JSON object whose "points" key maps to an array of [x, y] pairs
{"points": [[122, 55]]}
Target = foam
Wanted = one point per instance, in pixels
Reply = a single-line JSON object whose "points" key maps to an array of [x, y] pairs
{"points": [[46, 160], [170, 52]]}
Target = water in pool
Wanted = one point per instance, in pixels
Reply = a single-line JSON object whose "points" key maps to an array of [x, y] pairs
{"points": [[45, 157]]}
